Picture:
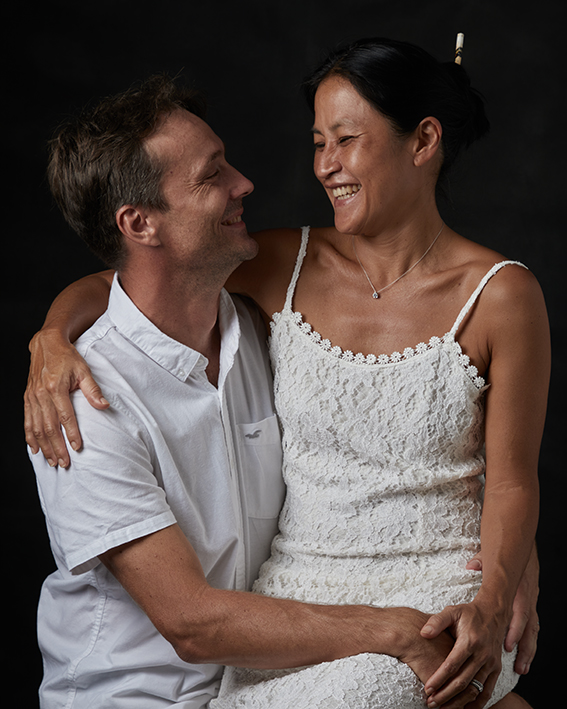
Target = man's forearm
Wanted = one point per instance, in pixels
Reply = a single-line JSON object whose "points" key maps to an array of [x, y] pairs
{"points": [[248, 630], [207, 625]]}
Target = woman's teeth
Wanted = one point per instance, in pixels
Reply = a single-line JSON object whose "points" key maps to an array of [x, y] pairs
{"points": [[345, 191], [232, 221]]}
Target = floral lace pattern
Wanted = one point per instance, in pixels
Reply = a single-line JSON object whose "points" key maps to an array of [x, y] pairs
{"points": [[371, 359], [383, 458]]}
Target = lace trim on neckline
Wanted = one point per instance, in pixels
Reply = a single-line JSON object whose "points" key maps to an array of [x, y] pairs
{"points": [[372, 359]]}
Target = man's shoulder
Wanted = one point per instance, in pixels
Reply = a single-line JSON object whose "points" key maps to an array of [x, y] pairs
{"points": [[97, 333]]}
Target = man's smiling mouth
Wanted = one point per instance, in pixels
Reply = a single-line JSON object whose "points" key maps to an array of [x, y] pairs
{"points": [[234, 220]]}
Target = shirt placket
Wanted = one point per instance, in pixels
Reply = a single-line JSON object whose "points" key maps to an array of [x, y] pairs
{"points": [[240, 569]]}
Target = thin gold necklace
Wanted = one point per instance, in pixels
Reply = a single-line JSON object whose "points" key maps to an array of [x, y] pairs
{"points": [[376, 293]]}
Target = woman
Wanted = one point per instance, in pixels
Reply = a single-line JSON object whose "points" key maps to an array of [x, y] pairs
{"points": [[398, 350]]}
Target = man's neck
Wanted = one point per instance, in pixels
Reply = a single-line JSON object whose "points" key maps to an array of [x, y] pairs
{"points": [[187, 312]]}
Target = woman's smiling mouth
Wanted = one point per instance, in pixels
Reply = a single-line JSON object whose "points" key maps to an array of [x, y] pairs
{"points": [[345, 191]]}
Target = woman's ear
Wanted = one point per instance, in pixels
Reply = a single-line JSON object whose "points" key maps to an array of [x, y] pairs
{"points": [[137, 225], [427, 141]]}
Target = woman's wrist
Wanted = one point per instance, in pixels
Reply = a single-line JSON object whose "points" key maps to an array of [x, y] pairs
{"points": [[495, 606]]}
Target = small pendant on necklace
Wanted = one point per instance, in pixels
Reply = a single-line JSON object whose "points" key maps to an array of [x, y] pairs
{"points": [[375, 295]]}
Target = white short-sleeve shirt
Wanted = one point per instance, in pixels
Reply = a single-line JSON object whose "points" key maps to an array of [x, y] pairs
{"points": [[172, 448]]}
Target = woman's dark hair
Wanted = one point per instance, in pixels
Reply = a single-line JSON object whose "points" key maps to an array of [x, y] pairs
{"points": [[406, 84], [98, 161]]}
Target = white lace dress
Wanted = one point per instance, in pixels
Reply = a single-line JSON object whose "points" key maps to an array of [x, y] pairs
{"points": [[383, 461]]}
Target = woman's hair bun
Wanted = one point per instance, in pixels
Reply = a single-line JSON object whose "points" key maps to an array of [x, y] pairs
{"points": [[469, 113]]}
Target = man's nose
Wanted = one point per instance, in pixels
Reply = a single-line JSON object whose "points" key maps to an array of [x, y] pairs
{"points": [[242, 185]]}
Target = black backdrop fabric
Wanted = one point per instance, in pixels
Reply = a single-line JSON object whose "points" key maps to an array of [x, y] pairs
{"points": [[250, 57]]}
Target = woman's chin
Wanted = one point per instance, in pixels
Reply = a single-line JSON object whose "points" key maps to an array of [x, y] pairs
{"points": [[345, 226]]}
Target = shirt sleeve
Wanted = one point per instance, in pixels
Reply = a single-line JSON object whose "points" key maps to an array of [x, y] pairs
{"points": [[110, 494]]}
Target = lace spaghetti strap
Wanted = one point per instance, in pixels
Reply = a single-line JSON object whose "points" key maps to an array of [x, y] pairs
{"points": [[297, 269], [472, 300]]}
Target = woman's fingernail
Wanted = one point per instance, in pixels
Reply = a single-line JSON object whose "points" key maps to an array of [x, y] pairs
{"points": [[52, 463]]}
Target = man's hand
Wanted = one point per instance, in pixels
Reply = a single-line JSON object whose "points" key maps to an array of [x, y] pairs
{"points": [[524, 626], [56, 370]]}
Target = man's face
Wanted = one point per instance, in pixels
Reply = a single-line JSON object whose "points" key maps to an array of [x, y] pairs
{"points": [[202, 226]]}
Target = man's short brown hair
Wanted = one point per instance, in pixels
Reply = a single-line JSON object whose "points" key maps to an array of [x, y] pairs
{"points": [[98, 162]]}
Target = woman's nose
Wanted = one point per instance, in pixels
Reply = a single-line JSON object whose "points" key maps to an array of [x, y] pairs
{"points": [[325, 164]]}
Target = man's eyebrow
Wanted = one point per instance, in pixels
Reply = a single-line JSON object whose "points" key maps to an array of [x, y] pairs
{"points": [[217, 154], [205, 165]]}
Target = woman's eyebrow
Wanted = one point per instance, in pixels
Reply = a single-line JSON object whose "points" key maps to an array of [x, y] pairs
{"points": [[338, 124]]}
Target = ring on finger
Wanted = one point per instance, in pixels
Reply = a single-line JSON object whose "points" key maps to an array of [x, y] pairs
{"points": [[478, 685]]}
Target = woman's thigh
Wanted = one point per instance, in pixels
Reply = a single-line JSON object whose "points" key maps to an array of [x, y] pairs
{"points": [[512, 701]]}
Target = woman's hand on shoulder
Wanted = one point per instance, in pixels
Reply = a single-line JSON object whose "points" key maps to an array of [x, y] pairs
{"points": [[56, 369]]}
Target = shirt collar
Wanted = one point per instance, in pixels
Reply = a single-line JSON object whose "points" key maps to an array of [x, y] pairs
{"points": [[229, 325], [176, 358]]}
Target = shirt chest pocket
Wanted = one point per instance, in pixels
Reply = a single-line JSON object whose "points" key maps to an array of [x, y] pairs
{"points": [[261, 455]]}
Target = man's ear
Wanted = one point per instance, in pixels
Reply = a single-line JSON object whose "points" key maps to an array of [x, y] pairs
{"points": [[137, 224], [427, 142]]}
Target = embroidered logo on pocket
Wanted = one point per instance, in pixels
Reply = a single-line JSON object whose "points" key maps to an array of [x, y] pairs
{"points": [[256, 434]]}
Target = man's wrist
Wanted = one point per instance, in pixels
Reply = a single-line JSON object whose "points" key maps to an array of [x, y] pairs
{"points": [[399, 629]]}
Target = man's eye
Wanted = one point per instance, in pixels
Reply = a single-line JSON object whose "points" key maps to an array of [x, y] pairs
{"points": [[214, 174], [345, 138], [318, 146]]}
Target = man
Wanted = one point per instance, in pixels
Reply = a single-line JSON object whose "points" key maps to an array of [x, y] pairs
{"points": [[161, 521]]}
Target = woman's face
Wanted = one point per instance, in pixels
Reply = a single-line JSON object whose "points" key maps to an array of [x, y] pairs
{"points": [[365, 168]]}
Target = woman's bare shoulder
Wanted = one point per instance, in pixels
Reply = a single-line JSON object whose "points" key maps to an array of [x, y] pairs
{"points": [[265, 278], [476, 261], [513, 293]]}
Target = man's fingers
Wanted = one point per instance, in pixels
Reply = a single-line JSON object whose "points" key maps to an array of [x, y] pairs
{"points": [[475, 564], [516, 630], [527, 646]]}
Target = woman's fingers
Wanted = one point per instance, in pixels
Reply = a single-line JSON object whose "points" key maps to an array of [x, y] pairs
{"points": [[48, 407], [472, 697]]}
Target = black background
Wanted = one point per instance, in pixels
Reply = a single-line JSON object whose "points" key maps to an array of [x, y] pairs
{"points": [[250, 57]]}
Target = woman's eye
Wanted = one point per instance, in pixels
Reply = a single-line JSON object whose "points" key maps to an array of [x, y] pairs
{"points": [[318, 146], [345, 138]]}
